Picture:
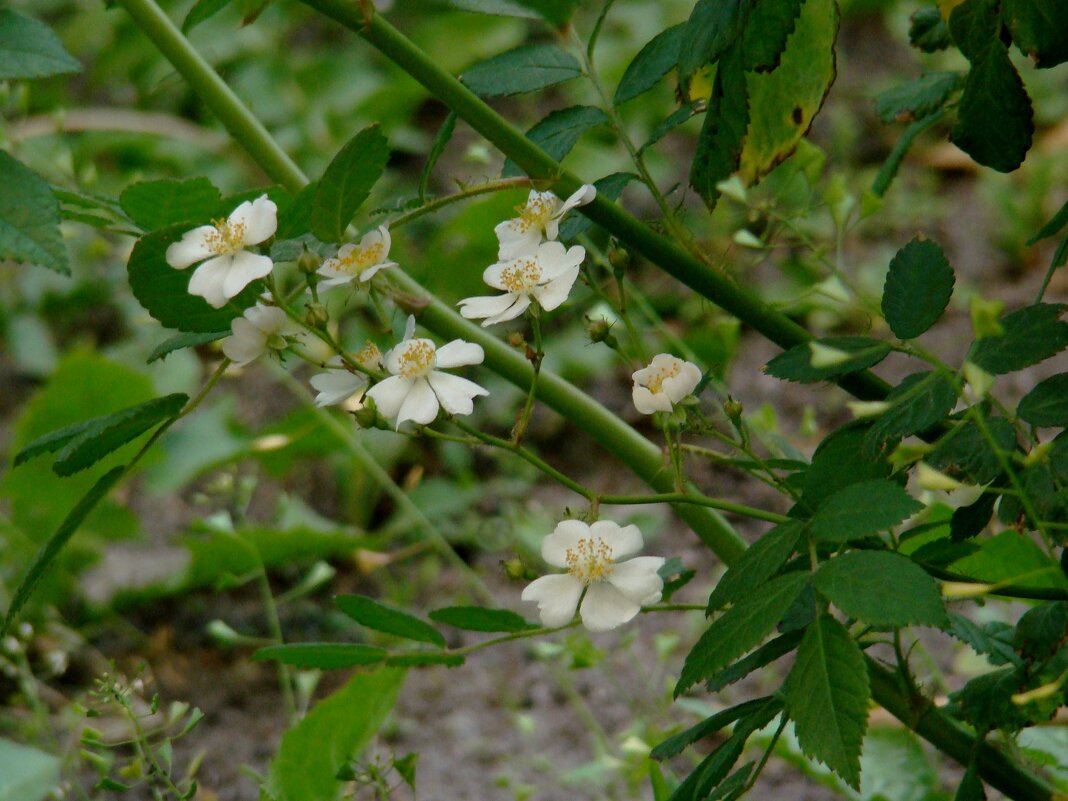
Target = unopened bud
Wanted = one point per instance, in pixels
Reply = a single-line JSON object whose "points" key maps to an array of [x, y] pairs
{"points": [[315, 315], [733, 409], [600, 330], [619, 258], [367, 415], [308, 262], [515, 570], [516, 340]]}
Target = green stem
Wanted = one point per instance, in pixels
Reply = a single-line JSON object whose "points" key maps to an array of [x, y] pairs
{"points": [[241, 123]]}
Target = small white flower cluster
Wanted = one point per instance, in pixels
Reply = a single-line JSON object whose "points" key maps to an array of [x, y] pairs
{"points": [[666, 381], [532, 265]]}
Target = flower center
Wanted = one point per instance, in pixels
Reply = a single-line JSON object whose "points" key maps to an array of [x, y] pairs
{"points": [[276, 341], [537, 211], [227, 237], [369, 357], [359, 258], [417, 359], [656, 383], [590, 560], [522, 276]]}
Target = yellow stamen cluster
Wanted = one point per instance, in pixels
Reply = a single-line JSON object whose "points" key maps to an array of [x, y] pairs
{"points": [[656, 383], [226, 238], [537, 211], [358, 259], [417, 358], [521, 276], [369, 357], [590, 560]]}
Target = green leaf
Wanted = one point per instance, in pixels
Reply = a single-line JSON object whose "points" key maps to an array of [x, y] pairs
{"points": [[347, 182], [202, 11], [712, 28], [368, 612], [970, 521], [995, 122], [986, 703], [155, 204], [558, 133], [1042, 630], [524, 69], [881, 588], [502, 8], [783, 103], [917, 98], [759, 563], [740, 629], [1030, 335], [1038, 28], [928, 31], [164, 291], [441, 141], [827, 695], [610, 188], [29, 218], [29, 49], [321, 655], [330, 736], [840, 460], [180, 341], [918, 287], [26, 774], [425, 659], [761, 657], [673, 121], [1052, 227], [1047, 403], [971, 784], [555, 12], [294, 220], [677, 743], [767, 31], [861, 510], [993, 640], [83, 444], [55, 543], [477, 618], [722, 137], [704, 779], [974, 25], [920, 402], [653, 62], [1011, 559], [858, 353], [965, 450]]}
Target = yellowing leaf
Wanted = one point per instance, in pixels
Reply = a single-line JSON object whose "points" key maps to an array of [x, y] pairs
{"points": [[783, 102]]}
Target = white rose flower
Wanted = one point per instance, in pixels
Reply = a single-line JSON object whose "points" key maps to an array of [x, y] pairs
{"points": [[667, 380], [545, 275], [415, 389], [336, 385], [615, 590], [540, 217], [262, 328], [229, 267], [358, 262]]}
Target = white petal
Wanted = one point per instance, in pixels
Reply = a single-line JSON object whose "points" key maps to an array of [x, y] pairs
{"points": [[336, 386], [421, 405], [244, 269], [580, 197], [208, 280], [191, 248], [492, 274], [557, 598], [260, 218], [456, 394], [246, 344], [648, 403], [389, 395], [379, 236], [679, 386], [268, 319], [409, 327], [515, 242], [638, 580], [623, 540], [522, 302], [554, 260], [605, 607], [563, 538], [555, 292], [459, 353], [485, 305], [370, 272]]}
